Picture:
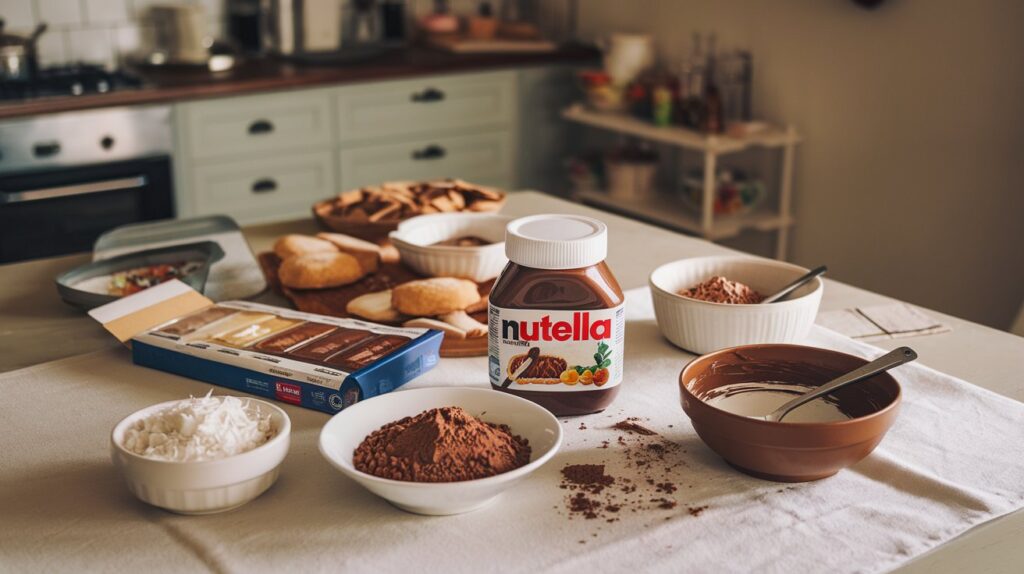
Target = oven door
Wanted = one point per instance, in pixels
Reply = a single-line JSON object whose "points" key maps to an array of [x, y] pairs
{"points": [[64, 210]]}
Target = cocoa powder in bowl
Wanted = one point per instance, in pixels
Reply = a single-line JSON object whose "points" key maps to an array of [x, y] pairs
{"points": [[441, 445]]}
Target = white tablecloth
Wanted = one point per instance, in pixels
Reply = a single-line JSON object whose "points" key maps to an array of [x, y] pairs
{"points": [[954, 459]]}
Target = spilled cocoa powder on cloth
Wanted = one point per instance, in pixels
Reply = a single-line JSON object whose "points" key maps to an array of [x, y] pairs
{"points": [[635, 476], [630, 426], [441, 445], [589, 477]]}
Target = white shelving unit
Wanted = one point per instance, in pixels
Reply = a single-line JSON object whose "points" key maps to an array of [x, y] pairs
{"points": [[669, 210]]}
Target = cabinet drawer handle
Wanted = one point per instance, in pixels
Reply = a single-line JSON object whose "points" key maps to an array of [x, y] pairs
{"points": [[261, 127], [46, 149], [432, 151], [265, 185], [428, 95]]}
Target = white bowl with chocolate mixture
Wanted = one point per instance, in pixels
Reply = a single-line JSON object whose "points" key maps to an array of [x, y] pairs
{"points": [[703, 304], [466, 245], [347, 430]]}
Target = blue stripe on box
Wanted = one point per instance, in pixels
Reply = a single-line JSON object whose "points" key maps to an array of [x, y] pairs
{"points": [[386, 375]]}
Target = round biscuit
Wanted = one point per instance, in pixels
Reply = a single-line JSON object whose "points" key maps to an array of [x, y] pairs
{"points": [[294, 244], [434, 296], [320, 270]]}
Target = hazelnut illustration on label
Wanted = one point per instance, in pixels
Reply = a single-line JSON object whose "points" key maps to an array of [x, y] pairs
{"points": [[596, 374]]}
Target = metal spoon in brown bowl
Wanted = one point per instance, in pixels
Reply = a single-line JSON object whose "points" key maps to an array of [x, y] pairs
{"points": [[887, 361], [785, 291]]}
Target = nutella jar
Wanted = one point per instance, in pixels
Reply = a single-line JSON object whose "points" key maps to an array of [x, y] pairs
{"points": [[556, 317]]}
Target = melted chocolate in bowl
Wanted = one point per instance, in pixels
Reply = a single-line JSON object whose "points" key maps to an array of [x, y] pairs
{"points": [[744, 385], [764, 397], [834, 433]]}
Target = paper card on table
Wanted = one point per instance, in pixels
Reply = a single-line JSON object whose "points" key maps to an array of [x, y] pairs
{"points": [[899, 318], [146, 309], [889, 321], [848, 322]]}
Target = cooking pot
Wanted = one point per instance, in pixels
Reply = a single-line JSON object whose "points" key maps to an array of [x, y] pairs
{"points": [[18, 54], [626, 56]]}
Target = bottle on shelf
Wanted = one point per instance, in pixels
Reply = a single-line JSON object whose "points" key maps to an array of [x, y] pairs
{"points": [[693, 106], [712, 120]]}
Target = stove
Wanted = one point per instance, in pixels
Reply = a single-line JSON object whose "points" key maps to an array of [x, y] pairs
{"points": [[65, 178], [68, 80]]}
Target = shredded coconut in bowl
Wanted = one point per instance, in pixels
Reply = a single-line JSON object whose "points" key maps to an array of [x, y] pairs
{"points": [[198, 429]]}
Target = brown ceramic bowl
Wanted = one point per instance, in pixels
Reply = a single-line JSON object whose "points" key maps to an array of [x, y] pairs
{"points": [[782, 451], [368, 230], [377, 231]]}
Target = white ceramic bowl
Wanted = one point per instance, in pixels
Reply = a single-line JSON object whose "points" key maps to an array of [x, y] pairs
{"points": [[415, 239], [203, 487], [347, 429], [702, 327]]}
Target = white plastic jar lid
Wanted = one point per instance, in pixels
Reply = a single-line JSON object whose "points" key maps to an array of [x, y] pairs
{"points": [[556, 241]]}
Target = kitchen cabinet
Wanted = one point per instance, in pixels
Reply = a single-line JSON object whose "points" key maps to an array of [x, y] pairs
{"points": [[251, 125], [282, 186], [269, 157], [546, 140], [425, 105], [484, 158]]}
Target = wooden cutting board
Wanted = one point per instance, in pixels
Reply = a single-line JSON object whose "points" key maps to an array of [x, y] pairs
{"points": [[332, 302], [459, 45]]}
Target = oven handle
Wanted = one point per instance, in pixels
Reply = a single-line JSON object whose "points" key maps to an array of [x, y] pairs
{"points": [[120, 184]]}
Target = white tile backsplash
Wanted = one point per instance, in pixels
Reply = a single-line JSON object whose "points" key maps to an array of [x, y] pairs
{"points": [[19, 15], [127, 38], [51, 48], [106, 11], [60, 13], [91, 46], [92, 31]]}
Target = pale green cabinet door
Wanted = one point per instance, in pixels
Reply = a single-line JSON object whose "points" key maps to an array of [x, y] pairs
{"points": [[425, 105], [266, 189], [479, 158]]}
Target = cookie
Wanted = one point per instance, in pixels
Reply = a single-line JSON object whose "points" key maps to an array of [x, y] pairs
{"points": [[374, 307], [450, 331], [389, 254], [320, 270], [292, 245], [367, 253], [463, 322], [435, 296]]}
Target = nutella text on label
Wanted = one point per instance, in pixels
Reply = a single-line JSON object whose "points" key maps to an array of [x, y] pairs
{"points": [[581, 328]]}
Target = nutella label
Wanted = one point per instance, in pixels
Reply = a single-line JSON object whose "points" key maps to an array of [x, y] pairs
{"points": [[555, 351]]}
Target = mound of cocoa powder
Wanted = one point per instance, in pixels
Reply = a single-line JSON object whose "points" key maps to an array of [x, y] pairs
{"points": [[441, 445]]}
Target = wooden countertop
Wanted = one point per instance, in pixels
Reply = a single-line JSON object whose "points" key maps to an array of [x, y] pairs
{"points": [[268, 74]]}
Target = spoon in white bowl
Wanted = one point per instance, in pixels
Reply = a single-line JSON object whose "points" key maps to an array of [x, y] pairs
{"points": [[893, 358], [785, 291]]}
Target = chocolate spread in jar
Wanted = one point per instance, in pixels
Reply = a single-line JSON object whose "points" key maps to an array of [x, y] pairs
{"points": [[556, 316]]}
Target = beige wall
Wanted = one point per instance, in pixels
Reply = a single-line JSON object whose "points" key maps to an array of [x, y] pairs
{"points": [[911, 178]]}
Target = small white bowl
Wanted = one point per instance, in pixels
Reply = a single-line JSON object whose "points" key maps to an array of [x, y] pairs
{"points": [[203, 487], [415, 240], [702, 327], [347, 429]]}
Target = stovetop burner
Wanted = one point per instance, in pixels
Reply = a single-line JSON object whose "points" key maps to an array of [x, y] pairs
{"points": [[68, 80]]}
